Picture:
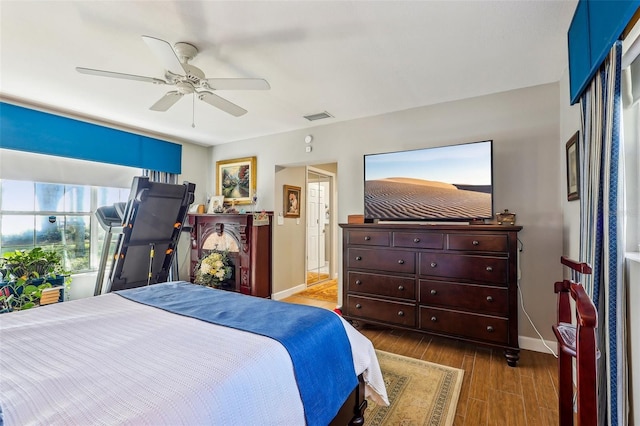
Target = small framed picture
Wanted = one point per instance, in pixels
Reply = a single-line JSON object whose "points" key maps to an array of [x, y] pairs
{"points": [[573, 168], [291, 197], [216, 204], [236, 179]]}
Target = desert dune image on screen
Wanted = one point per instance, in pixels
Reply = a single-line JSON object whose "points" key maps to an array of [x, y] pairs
{"points": [[450, 182]]}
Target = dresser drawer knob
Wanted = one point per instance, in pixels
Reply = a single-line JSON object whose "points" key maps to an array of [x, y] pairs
{"points": [[434, 319], [434, 264], [400, 313], [434, 292], [358, 282], [490, 329], [358, 257], [358, 306], [416, 240], [400, 262], [489, 299], [475, 242], [367, 238], [400, 287], [489, 269]]}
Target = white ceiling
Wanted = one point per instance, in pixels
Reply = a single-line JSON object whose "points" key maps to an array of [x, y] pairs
{"points": [[350, 58]]}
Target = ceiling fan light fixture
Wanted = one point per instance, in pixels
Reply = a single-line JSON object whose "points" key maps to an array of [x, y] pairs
{"points": [[185, 88], [319, 116], [186, 78]]}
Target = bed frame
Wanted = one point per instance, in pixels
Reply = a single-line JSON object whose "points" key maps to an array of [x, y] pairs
{"points": [[352, 411]]}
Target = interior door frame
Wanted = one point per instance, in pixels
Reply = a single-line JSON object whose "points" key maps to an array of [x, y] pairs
{"points": [[333, 228]]}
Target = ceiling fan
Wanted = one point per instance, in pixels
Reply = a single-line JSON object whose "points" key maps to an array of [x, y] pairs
{"points": [[186, 78]]}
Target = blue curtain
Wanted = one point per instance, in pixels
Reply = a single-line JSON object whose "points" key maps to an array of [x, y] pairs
{"points": [[602, 231]]}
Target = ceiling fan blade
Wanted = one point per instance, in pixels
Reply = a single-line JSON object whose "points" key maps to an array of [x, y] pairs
{"points": [[112, 74], [223, 104], [167, 101], [165, 53], [238, 84]]}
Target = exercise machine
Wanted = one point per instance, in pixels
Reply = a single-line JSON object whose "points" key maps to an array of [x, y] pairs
{"points": [[148, 226]]}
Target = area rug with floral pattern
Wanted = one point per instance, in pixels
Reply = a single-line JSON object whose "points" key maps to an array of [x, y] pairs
{"points": [[420, 392]]}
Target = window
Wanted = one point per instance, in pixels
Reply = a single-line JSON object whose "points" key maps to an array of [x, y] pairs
{"points": [[631, 120], [55, 216], [631, 129]]}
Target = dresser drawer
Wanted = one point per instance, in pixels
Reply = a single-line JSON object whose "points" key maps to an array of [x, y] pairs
{"points": [[382, 260], [418, 240], [368, 238], [470, 242], [381, 285], [381, 310], [480, 327], [488, 269], [466, 297]]}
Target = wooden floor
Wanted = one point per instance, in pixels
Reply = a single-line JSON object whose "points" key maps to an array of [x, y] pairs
{"points": [[492, 392]]}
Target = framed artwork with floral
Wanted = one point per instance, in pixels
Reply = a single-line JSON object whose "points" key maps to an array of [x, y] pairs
{"points": [[236, 180], [291, 196]]}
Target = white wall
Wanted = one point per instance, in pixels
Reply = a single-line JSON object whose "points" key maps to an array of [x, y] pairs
{"points": [[289, 238], [525, 127], [195, 169], [569, 125]]}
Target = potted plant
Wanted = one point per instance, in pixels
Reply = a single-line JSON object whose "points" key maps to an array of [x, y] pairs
{"points": [[25, 274]]}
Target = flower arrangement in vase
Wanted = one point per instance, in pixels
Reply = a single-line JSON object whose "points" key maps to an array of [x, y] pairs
{"points": [[214, 269]]}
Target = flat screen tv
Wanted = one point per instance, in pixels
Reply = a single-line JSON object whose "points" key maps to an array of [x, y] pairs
{"points": [[447, 183]]}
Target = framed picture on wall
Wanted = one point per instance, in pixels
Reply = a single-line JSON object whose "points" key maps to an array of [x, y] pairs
{"points": [[291, 197], [573, 168], [236, 180]]}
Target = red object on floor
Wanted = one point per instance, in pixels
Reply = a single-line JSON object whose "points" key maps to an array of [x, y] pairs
{"points": [[338, 311]]}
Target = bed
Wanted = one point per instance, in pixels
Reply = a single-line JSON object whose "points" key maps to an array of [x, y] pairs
{"points": [[177, 353]]}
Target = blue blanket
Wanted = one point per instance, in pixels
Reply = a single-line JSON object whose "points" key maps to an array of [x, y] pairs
{"points": [[315, 338]]}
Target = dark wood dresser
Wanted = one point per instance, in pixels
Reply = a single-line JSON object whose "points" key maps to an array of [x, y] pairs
{"points": [[458, 281], [248, 241]]}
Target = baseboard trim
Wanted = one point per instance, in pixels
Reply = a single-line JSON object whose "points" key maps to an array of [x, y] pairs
{"points": [[289, 292], [531, 344]]}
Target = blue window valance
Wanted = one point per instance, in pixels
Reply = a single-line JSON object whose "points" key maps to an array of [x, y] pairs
{"points": [[596, 25], [25, 129]]}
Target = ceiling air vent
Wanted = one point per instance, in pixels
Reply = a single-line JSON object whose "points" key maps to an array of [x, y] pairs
{"points": [[318, 116]]}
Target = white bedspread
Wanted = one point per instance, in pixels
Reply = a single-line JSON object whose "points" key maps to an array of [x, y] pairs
{"points": [[108, 360]]}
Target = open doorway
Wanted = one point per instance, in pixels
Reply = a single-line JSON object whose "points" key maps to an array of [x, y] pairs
{"points": [[320, 224]]}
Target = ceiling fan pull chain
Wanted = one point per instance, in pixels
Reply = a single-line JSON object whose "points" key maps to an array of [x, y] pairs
{"points": [[193, 111]]}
